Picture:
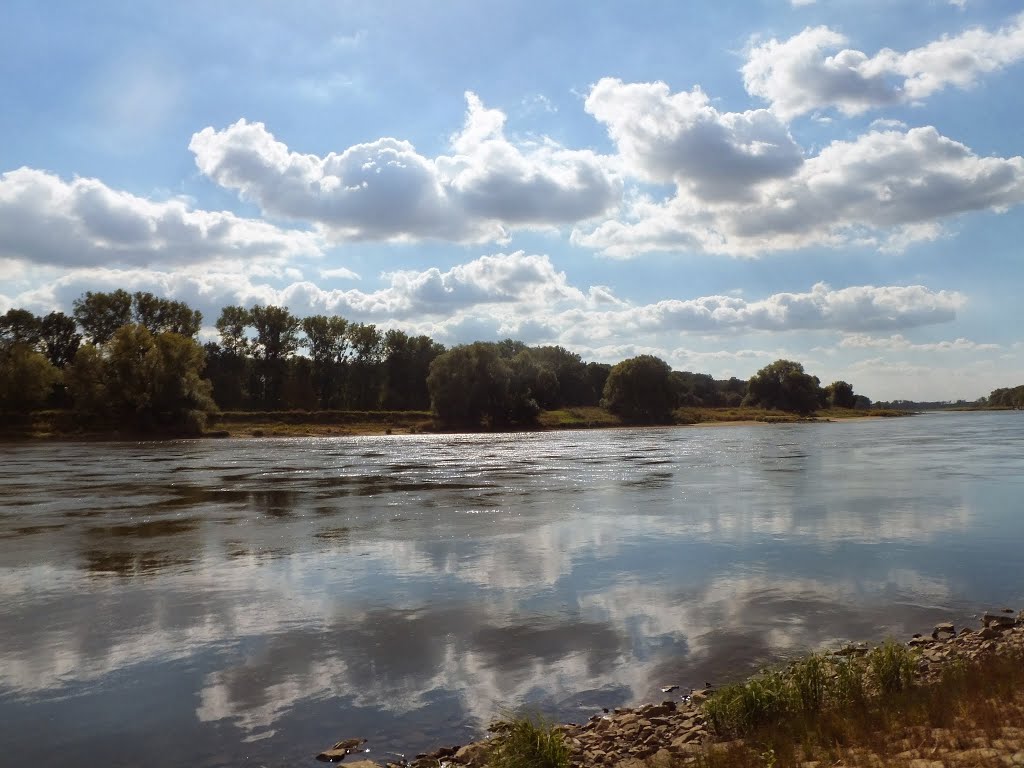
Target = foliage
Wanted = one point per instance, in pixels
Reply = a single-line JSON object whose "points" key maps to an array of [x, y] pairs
{"points": [[839, 394], [639, 389], [59, 338], [469, 385], [101, 314], [269, 359], [527, 742], [891, 666], [159, 315], [26, 378], [19, 326], [1007, 397], [407, 363], [142, 381], [784, 386]]}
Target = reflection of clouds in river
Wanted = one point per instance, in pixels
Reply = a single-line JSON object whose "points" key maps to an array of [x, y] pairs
{"points": [[486, 572]]}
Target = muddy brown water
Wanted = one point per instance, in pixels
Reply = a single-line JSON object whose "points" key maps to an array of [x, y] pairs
{"points": [[214, 603]]}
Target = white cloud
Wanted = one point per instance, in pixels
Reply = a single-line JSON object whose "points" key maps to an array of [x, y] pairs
{"points": [[523, 296], [680, 138], [342, 273], [45, 220], [800, 3], [900, 343], [813, 70], [386, 190], [884, 189]]}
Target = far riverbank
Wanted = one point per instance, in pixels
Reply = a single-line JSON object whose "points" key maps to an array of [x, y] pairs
{"points": [[259, 424]]}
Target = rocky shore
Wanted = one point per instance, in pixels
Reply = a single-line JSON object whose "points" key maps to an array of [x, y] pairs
{"points": [[677, 730]]}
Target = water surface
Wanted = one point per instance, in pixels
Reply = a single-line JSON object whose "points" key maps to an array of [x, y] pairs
{"points": [[210, 603]]}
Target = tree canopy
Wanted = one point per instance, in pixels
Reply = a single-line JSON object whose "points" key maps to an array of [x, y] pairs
{"points": [[784, 386], [640, 389]]}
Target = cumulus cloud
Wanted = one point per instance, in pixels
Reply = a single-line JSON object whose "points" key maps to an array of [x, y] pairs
{"points": [[885, 189], [900, 343], [681, 138], [386, 190], [814, 70], [342, 273], [523, 296], [46, 220], [854, 308]]}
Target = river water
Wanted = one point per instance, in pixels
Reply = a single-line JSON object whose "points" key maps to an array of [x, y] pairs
{"points": [[210, 603]]}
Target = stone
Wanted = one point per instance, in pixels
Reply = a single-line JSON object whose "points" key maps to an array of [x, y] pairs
{"points": [[362, 764], [945, 628], [658, 711], [669, 688], [473, 755], [340, 750], [997, 620]]}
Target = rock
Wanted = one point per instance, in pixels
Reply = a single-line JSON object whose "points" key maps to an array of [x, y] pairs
{"points": [[945, 628], [670, 688], [473, 755], [997, 620], [339, 751], [659, 710], [991, 633], [362, 764]]}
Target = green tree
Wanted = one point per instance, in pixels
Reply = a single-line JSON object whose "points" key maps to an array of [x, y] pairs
{"points": [[144, 381], [328, 351], [839, 394], [784, 386], [277, 339], [101, 314], [26, 379], [469, 386], [640, 389], [160, 315], [19, 326], [232, 325], [407, 362], [597, 376], [366, 376], [59, 338]]}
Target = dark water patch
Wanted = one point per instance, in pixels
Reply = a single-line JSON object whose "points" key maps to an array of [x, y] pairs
{"points": [[334, 534], [128, 564], [145, 529], [31, 530]]}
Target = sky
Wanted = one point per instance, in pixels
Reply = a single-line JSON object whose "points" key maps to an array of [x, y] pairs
{"points": [[837, 182]]}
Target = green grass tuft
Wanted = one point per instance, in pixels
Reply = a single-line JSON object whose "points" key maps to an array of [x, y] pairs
{"points": [[527, 741]]}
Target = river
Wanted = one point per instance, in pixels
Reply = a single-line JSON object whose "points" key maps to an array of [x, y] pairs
{"points": [[220, 602]]}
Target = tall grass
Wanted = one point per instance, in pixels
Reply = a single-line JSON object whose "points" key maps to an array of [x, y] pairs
{"points": [[808, 687], [891, 667], [527, 741], [822, 706]]}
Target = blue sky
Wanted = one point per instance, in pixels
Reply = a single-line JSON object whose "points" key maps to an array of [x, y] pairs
{"points": [[838, 182]]}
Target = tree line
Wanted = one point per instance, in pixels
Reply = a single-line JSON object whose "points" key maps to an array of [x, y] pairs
{"points": [[133, 360], [1006, 397]]}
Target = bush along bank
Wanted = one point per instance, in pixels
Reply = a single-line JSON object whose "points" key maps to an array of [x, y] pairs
{"points": [[955, 697]]}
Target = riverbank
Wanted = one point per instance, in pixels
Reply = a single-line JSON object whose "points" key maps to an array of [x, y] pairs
{"points": [[62, 425], [954, 698]]}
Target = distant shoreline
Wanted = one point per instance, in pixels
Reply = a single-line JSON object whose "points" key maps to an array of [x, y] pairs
{"points": [[57, 425]]}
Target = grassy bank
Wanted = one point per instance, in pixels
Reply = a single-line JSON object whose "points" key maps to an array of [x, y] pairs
{"points": [[949, 700], [62, 424]]}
